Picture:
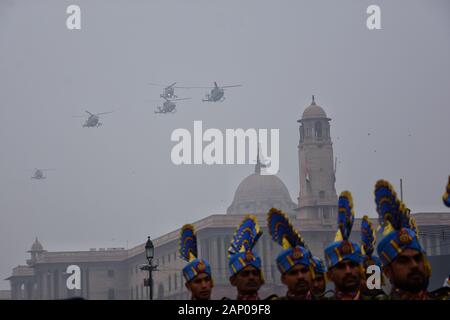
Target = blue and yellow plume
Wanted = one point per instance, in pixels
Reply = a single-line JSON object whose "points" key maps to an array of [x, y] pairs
{"points": [[240, 252], [188, 252], [390, 209], [188, 243], [399, 228], [246, 235], [342, 248], [368, 236], [446, 196], [393, 213], [282, 231], [346, 216]]}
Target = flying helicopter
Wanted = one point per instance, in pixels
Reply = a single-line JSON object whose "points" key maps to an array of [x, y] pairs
{"points": [[217, 93], [168, 91], [39, 174], [93, 119], [169, 106]]}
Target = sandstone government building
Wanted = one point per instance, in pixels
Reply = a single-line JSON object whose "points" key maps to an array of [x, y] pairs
{"points": [[114, 273]]}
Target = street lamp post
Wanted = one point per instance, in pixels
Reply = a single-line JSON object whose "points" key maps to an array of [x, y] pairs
{"points": [[149, 254]]}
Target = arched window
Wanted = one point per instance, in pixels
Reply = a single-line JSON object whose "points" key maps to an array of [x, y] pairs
{"points": [[318, 129]]}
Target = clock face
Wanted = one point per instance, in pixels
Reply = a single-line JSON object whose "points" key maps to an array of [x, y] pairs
{"points": [[124, 119]]}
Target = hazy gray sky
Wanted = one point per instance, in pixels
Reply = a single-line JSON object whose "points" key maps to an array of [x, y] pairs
{"points": [[117, 184]]}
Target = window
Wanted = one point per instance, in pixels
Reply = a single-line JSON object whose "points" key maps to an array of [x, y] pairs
{"points": [[111, 273], [110, 294], [318, 129], [321, 194], [131, 291], [326, 214]]}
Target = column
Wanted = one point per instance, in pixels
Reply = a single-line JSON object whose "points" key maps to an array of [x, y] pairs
{"points": [[14, 291], [438, 245], [213, 255]]}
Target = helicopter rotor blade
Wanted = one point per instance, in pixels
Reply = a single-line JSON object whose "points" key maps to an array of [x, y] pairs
{"points": [[172, 85], [233, 86], [194, 87], [181, 99], [156, 84], [97, 114]]}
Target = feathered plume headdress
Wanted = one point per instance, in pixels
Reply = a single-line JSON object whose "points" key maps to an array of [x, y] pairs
{"points": [[346, 216], [393, 214], [188, 252], [342, 248], [188, 243], [246, 235], [282, 231], [399, 227], [295, 251], [368, 236], [240, 250]]}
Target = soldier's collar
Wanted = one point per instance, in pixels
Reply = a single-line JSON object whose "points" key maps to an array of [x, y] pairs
{"points": [[293, 296], [348, 295], [406, 295], [254, 296]]}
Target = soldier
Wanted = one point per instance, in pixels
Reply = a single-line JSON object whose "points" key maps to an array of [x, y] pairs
{"points": [[368, 240], [319, 283], [343, 257], [295, 261], [244, 264], [404, 261], [197, 272]]}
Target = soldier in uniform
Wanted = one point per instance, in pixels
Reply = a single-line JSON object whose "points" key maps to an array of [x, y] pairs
{"points": [[197, 272], [343, 257], [319, 283], [368, 240], [244, 264], [295, 261], [404, 261]]}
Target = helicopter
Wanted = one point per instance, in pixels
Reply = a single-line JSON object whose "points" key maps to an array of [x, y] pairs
{"points": [[217, 93], [168, 91], [39, 174], [169, 106], [93, 119]]}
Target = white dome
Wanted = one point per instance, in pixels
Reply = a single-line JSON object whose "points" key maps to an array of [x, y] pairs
{"points": [[259, 193]]}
